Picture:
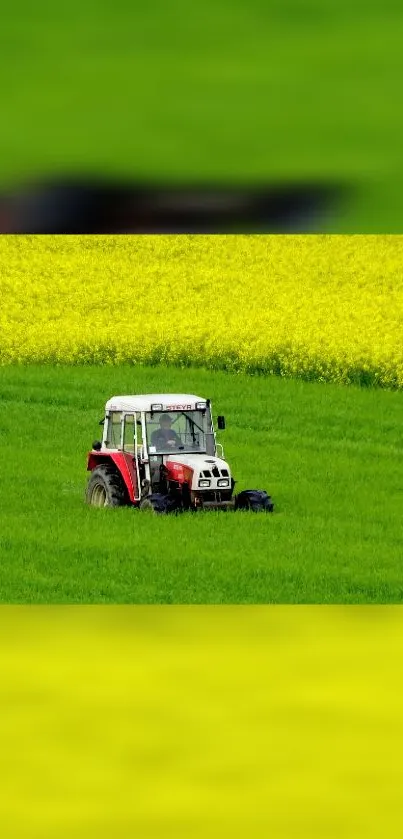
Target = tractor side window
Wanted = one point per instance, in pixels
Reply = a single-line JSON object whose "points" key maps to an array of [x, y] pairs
{"points": [[128, 434], [114, 430]]}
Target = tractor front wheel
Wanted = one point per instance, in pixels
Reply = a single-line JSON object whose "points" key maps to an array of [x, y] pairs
{"points": [[159, 503], [256, 500], [106, 488]]}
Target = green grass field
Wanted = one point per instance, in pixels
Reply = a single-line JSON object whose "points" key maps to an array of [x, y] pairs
{"points": [[329, 455], [254, 92]]}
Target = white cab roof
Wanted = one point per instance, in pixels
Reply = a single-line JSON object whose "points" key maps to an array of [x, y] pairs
{"points": [[143, 402]]}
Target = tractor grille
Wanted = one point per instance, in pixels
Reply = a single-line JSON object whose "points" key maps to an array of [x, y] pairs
{"points": [[215, 472], [217, 495]]}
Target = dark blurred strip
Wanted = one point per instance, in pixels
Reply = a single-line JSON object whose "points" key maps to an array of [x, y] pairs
{"points": [[97, 206]]}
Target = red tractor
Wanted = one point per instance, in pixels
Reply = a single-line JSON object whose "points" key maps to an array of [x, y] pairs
{"points": [[159, 453]]}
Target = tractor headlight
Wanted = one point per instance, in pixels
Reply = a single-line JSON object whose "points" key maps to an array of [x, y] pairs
{"points": [[223, 482], [204, 483]]}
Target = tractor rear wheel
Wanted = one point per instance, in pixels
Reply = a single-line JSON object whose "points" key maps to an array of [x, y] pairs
{"points": [[256, 500], [106, 488], [159, 503]]}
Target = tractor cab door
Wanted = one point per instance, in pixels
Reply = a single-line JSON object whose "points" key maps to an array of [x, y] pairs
{"points": [[129, 433], [133, 441], [132, 434]]}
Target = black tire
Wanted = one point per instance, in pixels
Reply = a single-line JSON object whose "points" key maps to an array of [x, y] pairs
{"points": [[106, 488], [256, 500], [159, 503]]}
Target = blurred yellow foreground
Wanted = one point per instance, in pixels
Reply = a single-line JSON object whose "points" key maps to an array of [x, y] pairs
{"points": [[201, 722]]}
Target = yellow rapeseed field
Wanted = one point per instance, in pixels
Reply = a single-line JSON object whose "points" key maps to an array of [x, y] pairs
{"points": [[184, 722], [315, 307]]}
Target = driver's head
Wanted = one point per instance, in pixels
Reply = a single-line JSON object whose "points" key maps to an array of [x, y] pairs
{"points": [[165, 421]]}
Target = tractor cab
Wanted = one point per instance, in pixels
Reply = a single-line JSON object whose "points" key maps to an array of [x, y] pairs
{"points": [[159, 452]]}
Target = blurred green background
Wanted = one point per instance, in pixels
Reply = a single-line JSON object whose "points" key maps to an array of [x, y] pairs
{"points": [[225, 90]]}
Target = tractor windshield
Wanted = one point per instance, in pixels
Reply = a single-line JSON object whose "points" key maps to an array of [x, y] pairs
{"points": [[180, 432]]}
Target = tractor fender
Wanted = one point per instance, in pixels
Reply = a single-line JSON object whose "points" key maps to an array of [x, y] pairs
{"points": [[124, 463]]}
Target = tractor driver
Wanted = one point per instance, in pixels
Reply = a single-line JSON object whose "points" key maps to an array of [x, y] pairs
{"points": [[165, 435]]}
